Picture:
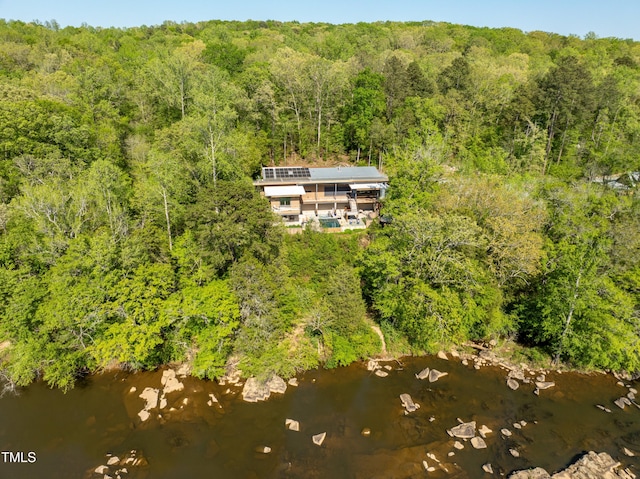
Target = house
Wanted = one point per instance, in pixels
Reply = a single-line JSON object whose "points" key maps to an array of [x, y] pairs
{"points": [[299, 194]]}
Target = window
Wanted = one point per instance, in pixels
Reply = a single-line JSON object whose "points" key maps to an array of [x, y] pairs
{"points": [[336, 190], [285, 202]]}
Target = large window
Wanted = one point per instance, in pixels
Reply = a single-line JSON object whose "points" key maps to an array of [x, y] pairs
{"points": [[338, 190]]}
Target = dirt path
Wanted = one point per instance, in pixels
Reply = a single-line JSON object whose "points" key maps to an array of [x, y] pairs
{"points": [[378, 331]]}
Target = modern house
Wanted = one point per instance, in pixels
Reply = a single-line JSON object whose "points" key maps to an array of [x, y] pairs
{"points": [[299, 194]]}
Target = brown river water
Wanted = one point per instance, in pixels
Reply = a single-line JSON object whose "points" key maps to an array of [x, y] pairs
{"points": [[71, 433]]}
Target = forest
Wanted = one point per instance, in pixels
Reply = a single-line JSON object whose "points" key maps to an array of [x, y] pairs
{"points": [[131, 235]]}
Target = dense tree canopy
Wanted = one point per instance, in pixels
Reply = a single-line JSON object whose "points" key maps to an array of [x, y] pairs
{"points": [[131, 236]]}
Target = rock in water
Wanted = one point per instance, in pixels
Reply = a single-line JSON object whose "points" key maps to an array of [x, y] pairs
{"points": [[408, 403], [466, 430], [544, 384], [505, 432], [292, 424], [372, 365], [381, 374], [101, 470], [537, 473], [318, 439], [144, 415], [434, 375], [622, 402], [487, 468], [170, 382], [484, 430], [254, 391], [478, 443], [151, 396], [424, 374], [591, 465], [263, 449], [442, 355], [513, 384], [458, 445], [277, 385]]}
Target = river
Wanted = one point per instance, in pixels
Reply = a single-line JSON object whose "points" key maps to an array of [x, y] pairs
{"points": [[70, 434]]}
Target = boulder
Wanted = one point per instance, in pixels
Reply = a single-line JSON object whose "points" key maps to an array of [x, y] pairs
{"points": [[293, 382], [458, 445], [144, 415], [183, 371], [254, 391], [434, 375], [442, 355], [478, 443], [113, 460], [424, 374], [318, 439], [589, 466], [505, 432], [622, 402], [408, 403], [277, 385], [150, 395], [101, 470], [513, 384], [544, 384], [487, 468], [514, 452], [484, 430], [466, 430], [381, 374], [593, 465], [292, 424], [372, 365], [170, 382], [537, 473]]}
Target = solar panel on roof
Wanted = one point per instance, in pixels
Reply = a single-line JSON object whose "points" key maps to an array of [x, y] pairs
{"points": [[286, 173]]}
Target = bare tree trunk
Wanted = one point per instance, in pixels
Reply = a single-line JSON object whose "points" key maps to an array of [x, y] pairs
{"points": [[551, 131], [214, 166], [319, 127], [182, 99], [166, 215], [567, 322]]}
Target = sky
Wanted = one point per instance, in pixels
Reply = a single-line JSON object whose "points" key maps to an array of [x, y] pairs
{"points": [[605, 18]]}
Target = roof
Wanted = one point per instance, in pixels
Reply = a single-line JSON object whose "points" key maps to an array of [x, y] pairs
{"points": [[283, 191], [338, 174], [345, 173], [367, 186]]}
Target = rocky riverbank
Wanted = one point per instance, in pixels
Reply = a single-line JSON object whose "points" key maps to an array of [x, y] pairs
{"points": [[590, 466], [456, 445]]}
